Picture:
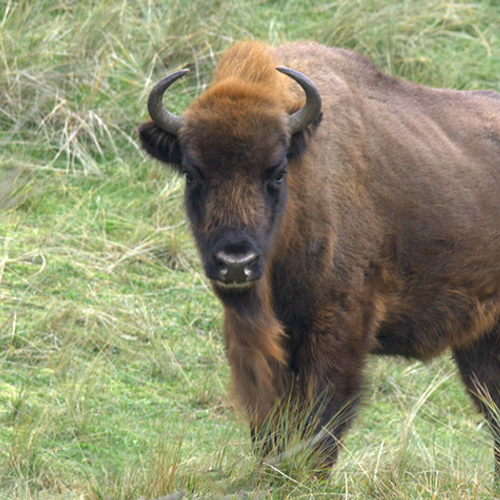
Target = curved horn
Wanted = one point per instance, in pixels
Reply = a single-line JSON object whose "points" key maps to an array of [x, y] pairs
{"points": [[159, 114], [305, 116]]}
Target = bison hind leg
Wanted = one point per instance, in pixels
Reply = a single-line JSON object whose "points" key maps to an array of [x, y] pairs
{"points": [[479, 367]]}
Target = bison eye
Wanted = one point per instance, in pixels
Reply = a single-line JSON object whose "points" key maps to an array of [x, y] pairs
{"points": [[189, 178], [275, 179], [193, 174], [279, 178], [276, 175]]}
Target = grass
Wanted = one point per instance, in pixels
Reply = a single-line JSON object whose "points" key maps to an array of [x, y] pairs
{"points": [[113, 376]]}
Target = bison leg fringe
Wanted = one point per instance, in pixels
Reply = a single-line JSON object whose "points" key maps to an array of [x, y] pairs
{"points": [[258, 362]]}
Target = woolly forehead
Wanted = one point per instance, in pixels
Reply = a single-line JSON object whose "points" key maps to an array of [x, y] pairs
{"points": [[235, 126]]}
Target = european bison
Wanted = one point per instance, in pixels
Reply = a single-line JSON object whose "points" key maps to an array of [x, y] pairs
{"points": [[363, 220]]}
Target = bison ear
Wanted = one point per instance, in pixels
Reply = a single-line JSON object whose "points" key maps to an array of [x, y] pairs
{"points": [[160, 144], [300, 140]]}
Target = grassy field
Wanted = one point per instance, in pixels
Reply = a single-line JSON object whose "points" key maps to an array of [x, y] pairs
{"points": [[113, 381]]}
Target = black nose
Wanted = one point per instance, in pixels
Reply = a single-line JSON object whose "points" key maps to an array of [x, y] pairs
{"points": [[236, 267]]}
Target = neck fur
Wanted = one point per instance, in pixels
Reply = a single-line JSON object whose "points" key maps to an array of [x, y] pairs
{"points": [[254, 340]]}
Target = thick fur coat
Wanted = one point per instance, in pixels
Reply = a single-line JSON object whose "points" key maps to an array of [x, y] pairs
{"points": [[380, 234]]}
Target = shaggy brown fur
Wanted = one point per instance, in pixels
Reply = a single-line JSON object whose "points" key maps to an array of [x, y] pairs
{"points": [[383, 237]]}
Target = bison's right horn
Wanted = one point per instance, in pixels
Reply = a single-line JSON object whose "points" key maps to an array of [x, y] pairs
{"points": [[303, 117], [166, 120]]}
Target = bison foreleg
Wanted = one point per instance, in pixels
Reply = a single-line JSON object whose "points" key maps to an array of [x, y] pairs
{"points": [[332, 416], [321, 404]]}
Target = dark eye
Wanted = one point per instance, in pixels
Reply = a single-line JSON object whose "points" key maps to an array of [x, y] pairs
{"points": [[279, 178], [276, 177], [189, 177]]}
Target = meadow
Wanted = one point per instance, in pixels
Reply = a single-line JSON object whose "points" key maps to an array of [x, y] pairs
{"points": [[113, 379]]}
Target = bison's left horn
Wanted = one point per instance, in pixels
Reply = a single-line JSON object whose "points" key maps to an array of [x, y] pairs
{"points": [[159, 114], [305, 116]]}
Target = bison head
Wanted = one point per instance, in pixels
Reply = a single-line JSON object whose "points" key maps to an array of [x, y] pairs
{"points": [[234, 145]]}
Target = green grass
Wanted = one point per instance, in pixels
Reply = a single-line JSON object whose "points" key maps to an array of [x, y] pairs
{"points": [[113, 380]]}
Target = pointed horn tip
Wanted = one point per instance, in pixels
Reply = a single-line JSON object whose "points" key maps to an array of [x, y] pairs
{"points": [[284, 70], [290, 71], [295, 75], [174, 76]]}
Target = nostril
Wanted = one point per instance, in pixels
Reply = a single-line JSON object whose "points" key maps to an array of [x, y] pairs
{"points": [[220, 258], [251, 264], [236, 267]]}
